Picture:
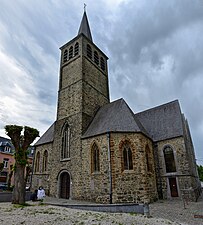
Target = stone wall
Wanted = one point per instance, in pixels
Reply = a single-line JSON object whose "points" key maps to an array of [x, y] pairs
{"points": [[41, 178], [137, 185], [184, 177]]}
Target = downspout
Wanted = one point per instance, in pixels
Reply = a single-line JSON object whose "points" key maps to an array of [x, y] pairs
{"points": [[110, 172]]}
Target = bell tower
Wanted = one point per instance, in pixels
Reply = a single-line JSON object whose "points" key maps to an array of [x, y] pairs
{"points": [[83, 86], [83, 89]]}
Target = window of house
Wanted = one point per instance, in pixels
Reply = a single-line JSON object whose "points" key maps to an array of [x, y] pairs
{"points": [[65, 56], [37, 162], [127, 157], [102, 63], [5, 162], [45, 161], [169, 159], [96, 58], [89, 51], [148, 159], [95, 158], [71, 52], [76, 50], [65, 151], [7, 149]]}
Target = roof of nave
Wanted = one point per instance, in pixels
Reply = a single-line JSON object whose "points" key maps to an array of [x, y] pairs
{"points": [[47, 137], [114, 117], [162, 122]]}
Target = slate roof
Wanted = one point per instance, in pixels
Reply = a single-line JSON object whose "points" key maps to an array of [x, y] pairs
{"points": [[47, 137], [6, 142], [114, 117], [84, 27], [162, 122]]}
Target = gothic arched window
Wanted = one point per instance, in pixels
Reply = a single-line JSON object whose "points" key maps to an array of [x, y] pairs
{"points": [[127, 157], [169, 159], [71, 52], [89, 51], [37, 162], [95, 158], [76, 49], [102, 63], [65, 56], [65, 151], [96, 58], [148, 159], [45, 161]]}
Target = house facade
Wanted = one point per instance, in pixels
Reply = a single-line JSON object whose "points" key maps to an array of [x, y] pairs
{"points": [[7, 151], [102, 151]]}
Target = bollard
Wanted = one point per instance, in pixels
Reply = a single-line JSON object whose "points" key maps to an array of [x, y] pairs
{"points": [[146, 209]]}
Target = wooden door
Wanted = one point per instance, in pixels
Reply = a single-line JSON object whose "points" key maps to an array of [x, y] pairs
{"points": [[173, 187], [65, 186]]}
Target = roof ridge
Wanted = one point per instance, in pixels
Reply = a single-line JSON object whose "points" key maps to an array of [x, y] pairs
{"points": [[159, 106]]}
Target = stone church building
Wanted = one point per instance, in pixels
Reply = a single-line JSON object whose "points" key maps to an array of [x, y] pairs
{"points": [[102, 151]]}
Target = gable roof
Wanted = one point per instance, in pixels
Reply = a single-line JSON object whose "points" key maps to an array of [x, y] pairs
{"points": [[114, 117], [162, 122], [47, 137]]}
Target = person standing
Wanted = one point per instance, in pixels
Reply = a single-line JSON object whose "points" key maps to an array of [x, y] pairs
{"points": [[40, 194]]}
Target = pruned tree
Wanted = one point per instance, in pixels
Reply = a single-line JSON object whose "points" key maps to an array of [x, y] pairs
{"points": [[1, 166], [200, 172], [10, 176], [21, 144]]}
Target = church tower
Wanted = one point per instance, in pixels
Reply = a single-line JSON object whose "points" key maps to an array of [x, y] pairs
{"points": [[83, 89], [83, 86]]}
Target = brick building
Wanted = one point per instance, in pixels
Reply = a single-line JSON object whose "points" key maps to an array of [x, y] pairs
{"points": [[102, 151]]}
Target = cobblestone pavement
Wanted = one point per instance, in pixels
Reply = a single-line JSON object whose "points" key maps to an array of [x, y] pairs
{"points": [[174, 210]]}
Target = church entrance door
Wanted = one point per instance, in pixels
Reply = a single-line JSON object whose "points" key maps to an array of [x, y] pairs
{"points": [[64, 185], [173, 187]]}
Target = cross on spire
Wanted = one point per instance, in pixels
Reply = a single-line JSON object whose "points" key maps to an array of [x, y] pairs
{"points": [[84, 26]]}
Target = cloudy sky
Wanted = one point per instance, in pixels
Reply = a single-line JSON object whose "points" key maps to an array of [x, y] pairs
{"points": [[155, 51]]}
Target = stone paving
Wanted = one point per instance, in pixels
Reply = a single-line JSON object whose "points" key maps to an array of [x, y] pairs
{"points": [[174, 210]]}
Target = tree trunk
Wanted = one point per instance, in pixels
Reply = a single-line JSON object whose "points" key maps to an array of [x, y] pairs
{"points": [[19, 185]]}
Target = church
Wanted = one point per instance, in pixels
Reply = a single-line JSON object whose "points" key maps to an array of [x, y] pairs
{"points": [[102, 151]]}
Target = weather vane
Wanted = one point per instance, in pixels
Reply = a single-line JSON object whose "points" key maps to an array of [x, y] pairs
{"points": [[85, 7]]}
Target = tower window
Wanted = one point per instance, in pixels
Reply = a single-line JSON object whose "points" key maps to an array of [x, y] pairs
{"points": [[65, 56], [95, 158], [76, 50], [71, 52], [96, 58], [65, 151], [102, 63], [127, 157], [169, 159], [89, 51]]}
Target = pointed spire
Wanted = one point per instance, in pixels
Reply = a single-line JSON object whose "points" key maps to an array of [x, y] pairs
{"points": [[84, 26]]}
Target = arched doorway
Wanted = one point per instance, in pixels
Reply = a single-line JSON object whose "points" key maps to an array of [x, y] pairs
{"points": [[64, 188]]}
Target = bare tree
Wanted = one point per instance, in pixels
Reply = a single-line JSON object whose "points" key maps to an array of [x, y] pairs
{"points": [[21, 144]]}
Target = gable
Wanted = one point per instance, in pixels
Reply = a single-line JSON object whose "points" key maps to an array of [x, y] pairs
{"points": [[114, 117]]}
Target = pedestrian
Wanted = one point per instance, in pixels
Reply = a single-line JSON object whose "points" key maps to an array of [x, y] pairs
{"points": [[40, 194], [33, 196]]}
